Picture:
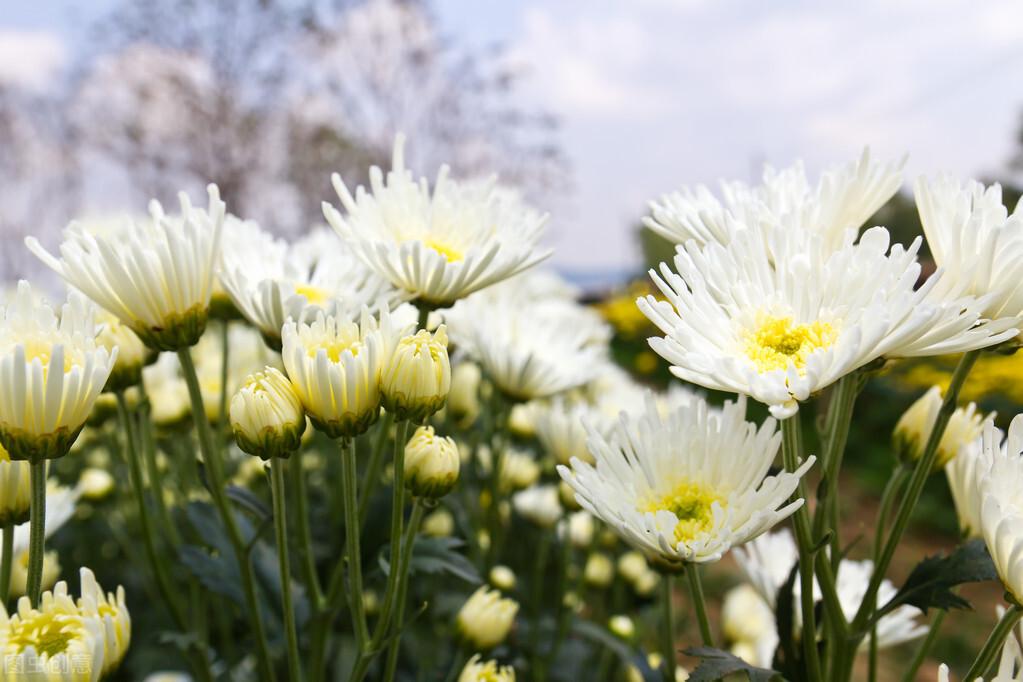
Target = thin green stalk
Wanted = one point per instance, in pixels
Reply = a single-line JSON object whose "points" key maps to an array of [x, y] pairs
{"points": [[891, 493], [408, 544], [37, 530], [987, 655], [277, 467], [792, 450], [667, 629], [872, 655], [6, 561], [310, 576], [457, 664], [349, 474], [371, 479], [925, 646], [536, 603], [149, 452], [214, 467], [840, 413], [922, 470], [699, 603]]}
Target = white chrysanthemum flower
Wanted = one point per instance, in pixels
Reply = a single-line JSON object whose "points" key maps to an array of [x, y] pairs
{"points": [[914, 427], [440, 246], [768, 560], [527, 349], [559, 428], [335, 367], [110, 609], [51, 372], [156, 277], [539, 504], [965, 472], [486, 618], [748, 624], [270, 281], [999, 483], [974, 240], [486, 671], [168, 393], [844, 198], [688, 486], [463, 403], [267, 416], [779, 317], [132, 354]]}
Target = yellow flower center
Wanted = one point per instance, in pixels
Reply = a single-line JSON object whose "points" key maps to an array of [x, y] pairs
{"points": [[451, 254], [335, 347], [691, 504], [777, 342], [313, 295], [48, 633], [36, 349]]}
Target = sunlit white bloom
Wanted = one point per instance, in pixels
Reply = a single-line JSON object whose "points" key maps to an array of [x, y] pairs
{"points": [[539, 504], [974, 240], [769, 559], [51, 372], [486, 671], [267, 416], [156, 276], [964, 473], [748, 624], [1001, 507], [843, 199], [687, 486], [440, 246], [270, 281], [779, 317], [335, 366], [528, 350], [914, 429], [486, 618]]}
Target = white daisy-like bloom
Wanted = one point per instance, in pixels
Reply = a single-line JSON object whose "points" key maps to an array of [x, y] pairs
{"points": [[748, 624], [156, 275], [335, 366], [974, 239], [167, 391], [477, 670], [110, 609], [768, 560], [781, 316], [527, 349], [560, 430], [965, 472], [914, 427], [1010, 663], [843, 198], [51, 373], [687, 486], [270, 281], [1001, 508], [539, 504], [436, 246]]}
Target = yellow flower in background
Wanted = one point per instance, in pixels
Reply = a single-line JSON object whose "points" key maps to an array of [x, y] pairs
{"points": [[132, 354], [416, 379], [51, 373], [267, 416], [431, 464], [486, 671], [914, 429], [621, 312], [486, 618], [15, 490], [155, 275]]}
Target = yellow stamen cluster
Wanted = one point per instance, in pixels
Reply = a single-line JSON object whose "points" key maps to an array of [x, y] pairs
{"points": [[778, 342], [313, 294], [691, 503], [451, 254]]}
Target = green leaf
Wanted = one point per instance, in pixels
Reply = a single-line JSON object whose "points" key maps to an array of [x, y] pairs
{"points": [[250, 502], [606, 639], [930, 583], [436, 555], [217, 574], [789, 653], [716, 665]]}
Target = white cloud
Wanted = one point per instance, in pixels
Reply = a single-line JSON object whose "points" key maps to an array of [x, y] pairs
{"points": [[30, 59]]}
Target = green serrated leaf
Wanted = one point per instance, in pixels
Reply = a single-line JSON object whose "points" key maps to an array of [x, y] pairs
{"points": [[436, 555], [716, 665], [930, 584]]}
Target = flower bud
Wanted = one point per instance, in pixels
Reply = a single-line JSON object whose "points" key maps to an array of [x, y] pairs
{"points": [[266, 415], [17, 490], [486, 671], [518, 471], [95, 484], [915, 425], [464, 397], [503, 578], [131, 352], [439, 524], [416, 381], [485, 619], [622, 626], [538, 505], [599, 570], [647, 583], [522, 420], [632, 565], [580, 529], [431, 464]]}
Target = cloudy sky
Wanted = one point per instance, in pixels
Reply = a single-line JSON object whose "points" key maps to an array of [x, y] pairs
{"points": [[653, 94]]}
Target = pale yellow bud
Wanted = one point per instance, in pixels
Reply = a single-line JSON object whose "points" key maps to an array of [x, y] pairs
{"points": [[464, 398], [19, 572], [431, 464], [522, 420], [518, 471], [538, 505], [486, 618], [599, 570], [486, 671], [745, 616], [580, 529], [439, 524], [266, 415], [632, 565], [503, 578], [95, 484], [914, 429], [567, 495], [647, 583], [417, 380], [622, 626], [131, 352], [370, 602]]}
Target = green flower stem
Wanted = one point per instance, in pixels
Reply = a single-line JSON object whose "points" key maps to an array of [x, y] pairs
{"points": [[6, 561], [277, 467], [916, 485], [408, 544], [37, 530], [371, 479], [536, 602], [349, 493], [215, 469], [457, 664], [891, 493], [840, 413], [987, 655], [149, 451], [925, 646], [792, 450], [397, 525], [699, 603], [667, 629], [310, 576]]}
